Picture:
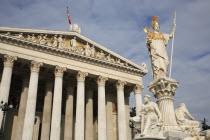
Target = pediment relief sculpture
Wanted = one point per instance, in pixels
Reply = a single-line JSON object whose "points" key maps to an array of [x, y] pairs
{"points": [[69, 44]]}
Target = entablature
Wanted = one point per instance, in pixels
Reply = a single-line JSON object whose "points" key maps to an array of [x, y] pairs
{"points": [[69, 45]]}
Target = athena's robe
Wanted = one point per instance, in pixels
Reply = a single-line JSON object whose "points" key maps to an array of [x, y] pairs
{"points": [[158, 54]]}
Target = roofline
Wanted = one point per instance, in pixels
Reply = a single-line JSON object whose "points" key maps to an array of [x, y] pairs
{"points": [[29, 30]]}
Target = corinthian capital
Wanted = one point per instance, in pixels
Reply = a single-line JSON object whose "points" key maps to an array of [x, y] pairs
{"points": [[81, 76], [137, 88], [59, 71], [101, 80], [35, 66], [120, 85], [9, 60]]}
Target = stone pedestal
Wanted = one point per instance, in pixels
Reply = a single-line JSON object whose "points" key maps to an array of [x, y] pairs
{"points": [[164, 90], [174, 135]]}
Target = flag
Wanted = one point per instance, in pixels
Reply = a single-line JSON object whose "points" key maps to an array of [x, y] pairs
{"points": [[68, 13]]}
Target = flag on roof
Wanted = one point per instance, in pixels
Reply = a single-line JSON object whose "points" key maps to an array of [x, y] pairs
{"points": [[68, 13]]}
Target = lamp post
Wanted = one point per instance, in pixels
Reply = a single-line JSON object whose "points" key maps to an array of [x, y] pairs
{"points": [[132, 128], [4, 107]]}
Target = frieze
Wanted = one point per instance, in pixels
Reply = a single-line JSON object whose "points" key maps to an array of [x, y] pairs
{"points": [[60, 42], [71, 45]]}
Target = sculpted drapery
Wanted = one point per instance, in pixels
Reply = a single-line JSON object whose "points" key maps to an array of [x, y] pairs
{"points": [[156, 43]]}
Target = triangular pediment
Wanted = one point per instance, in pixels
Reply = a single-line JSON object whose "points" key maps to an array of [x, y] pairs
{"points": [[71, 42]]}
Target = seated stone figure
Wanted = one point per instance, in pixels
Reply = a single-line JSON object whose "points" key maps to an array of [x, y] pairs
{"points": [[151, 118], [181, 112], [149, 123]]}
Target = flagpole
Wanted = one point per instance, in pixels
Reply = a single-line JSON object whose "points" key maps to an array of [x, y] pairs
{"points": [[172, 49], [67, 20]]}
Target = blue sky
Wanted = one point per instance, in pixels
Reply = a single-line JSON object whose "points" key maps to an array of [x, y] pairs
{"points": [[117, 25]]}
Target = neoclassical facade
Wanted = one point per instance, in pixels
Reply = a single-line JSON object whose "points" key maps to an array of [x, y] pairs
{"points": [[64, 86]]}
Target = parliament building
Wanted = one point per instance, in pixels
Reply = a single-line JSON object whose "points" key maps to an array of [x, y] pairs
{"points": [[64, 86]]}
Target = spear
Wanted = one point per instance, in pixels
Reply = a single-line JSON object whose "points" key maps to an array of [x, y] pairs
{"points": [[172, 49]]}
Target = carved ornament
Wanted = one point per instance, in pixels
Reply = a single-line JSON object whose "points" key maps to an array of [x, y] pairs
{"points": [[59, 71], [81, 76], [61, 42], [35, 66], [101, 80], [120, 85], [138, 88], [9, 60], [163, 87]]}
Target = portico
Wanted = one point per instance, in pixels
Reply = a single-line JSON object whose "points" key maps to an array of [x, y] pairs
{"points": [[68, 91]]}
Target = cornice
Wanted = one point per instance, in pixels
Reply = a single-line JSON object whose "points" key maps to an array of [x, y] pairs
{"points": [[68, 54], [68, 33]]}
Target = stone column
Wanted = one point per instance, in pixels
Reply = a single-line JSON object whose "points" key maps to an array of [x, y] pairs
{"points": [[114, 116], [127, 114], [101, 108], [122, 130], [22, 110], [46, 117], [80, 112], [138, 98], [31, 101], [13, 133], [6, 80], [164, 90], [36, 128], [109, 114], [68, 128], [57, 104], [89, 112], [95, 134]]}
